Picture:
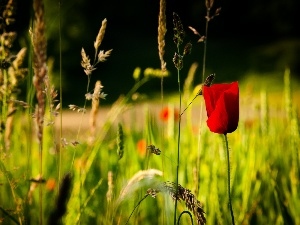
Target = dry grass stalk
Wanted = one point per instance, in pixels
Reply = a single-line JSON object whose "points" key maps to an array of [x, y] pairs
{"points": [[16, 71], [9, 12], [103, 55], [11, 71], [162, 30], [77, 108], [34, 184], [188, 83], [110, 184], [134, 182], [95, 107], [100, 35], [209, 4], [201, 37], [100, 56], [39, 58], [9, 124], [86, 63], [15, 74]]}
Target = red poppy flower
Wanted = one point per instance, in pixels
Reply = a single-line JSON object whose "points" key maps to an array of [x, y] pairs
{"points": [[165, 114], [222, 107]]}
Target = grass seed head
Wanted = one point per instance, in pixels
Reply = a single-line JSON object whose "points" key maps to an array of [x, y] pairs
{"points": [[100, 35], [110, 184], [162, 30], [178, 61], [208, 81], [187, 49], [39, 57], [209, 4], [95, 108], [191, 202], [120, 142], [152, 149], [103, 55], [179, 33], [86, 63]]}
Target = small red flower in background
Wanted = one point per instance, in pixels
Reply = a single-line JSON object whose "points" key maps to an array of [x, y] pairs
{"points": [[141, 147], [165, 114], [50, 185], [222, 107]]}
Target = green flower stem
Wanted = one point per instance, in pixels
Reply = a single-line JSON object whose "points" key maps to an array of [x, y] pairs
{"points": [[228, 178]]}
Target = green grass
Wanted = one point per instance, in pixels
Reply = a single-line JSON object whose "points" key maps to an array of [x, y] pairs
{"points": [[264, 167]]}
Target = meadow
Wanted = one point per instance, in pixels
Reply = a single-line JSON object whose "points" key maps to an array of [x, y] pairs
{"points": [[144, 160]]}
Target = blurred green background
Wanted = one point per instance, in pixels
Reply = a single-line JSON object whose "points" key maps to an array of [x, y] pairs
{"points": [[260, 37]]}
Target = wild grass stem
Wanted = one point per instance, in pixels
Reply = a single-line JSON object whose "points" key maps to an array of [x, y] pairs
{"points": [[40, 75], [100, 56], [197, 190], [40, 186], [205, 44], [84, 106], [162, 29], [178, 144], [138, 204], [178, 37], [60, 90]]}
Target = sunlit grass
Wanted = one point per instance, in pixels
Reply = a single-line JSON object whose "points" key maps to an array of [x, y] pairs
{"points": [[264, 166], [107, 171]]}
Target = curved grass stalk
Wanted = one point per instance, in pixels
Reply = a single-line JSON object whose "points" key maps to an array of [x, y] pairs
{"points": [[136, 207], [185, 212]]}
